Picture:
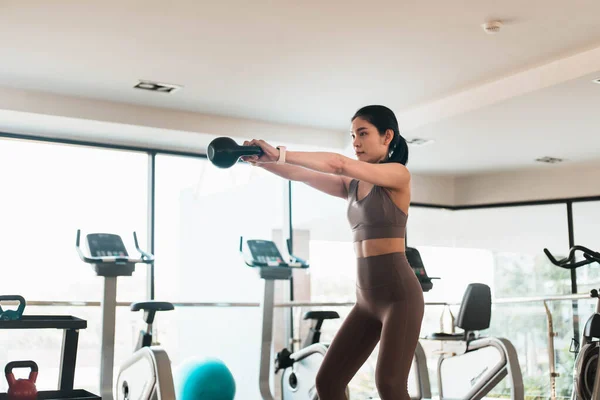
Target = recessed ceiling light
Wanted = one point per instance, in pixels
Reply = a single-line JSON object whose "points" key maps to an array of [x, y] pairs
{"points": [[596, 81], [549, 160], [492, 27], [157, 86], [418, 141]]}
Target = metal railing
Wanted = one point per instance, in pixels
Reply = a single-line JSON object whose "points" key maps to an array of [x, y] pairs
{"points": [[75, 303]]}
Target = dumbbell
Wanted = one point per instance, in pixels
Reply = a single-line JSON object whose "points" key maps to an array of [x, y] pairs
{"points": [[224, 152]]}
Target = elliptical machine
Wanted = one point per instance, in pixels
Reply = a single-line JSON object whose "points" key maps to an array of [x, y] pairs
{"points": [[147, 374], [586, 376], [476, 364]]}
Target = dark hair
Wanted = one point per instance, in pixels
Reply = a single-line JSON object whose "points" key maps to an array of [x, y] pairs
{"points": [[383, 118]]}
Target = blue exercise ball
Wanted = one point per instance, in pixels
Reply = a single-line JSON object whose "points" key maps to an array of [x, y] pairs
{"points": [[204, 379]]}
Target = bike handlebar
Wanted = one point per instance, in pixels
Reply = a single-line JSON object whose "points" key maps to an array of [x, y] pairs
{"points": [[568, 262]]}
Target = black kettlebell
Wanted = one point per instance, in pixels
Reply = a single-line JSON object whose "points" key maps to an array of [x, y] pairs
{"points": [[224, 152], [21, 389]]}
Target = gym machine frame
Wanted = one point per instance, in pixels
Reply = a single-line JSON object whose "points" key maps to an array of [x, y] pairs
{"points": [[110, 268], [587, 362], [71, 326]]}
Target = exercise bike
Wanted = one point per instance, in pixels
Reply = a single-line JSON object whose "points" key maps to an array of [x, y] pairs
{"points": [[146, 375], [299, 368], [586, 379]]}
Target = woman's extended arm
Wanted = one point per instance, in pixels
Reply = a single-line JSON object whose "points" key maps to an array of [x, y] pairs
{"points": [[389, 175], [331, 184]]}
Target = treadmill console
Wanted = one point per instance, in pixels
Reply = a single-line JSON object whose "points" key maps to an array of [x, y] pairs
{"points": [[265, 252], [106, 245]]}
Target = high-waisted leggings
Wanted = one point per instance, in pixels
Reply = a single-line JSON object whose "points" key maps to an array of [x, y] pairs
{"points": [[389, 311]]}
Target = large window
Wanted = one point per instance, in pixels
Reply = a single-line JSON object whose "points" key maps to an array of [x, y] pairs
{"points": [[515, 238], [586, 219], [503, 248], [48, 192], [51, 190], [322, 218], [201, 212]]}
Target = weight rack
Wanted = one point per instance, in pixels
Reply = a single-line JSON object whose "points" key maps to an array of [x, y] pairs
{"points": [[71, 326]]}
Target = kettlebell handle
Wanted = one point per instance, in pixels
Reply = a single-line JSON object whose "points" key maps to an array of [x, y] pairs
{"points": [[12, 314], [10, 377]]}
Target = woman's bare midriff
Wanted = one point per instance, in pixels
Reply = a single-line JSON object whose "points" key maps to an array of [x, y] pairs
{"points": [[376, 247]]}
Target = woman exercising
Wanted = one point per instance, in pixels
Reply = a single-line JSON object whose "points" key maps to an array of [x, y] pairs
{"points": [[389, 300]]}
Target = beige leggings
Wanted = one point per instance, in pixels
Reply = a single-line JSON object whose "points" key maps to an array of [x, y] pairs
{"points": [[389, 310]]}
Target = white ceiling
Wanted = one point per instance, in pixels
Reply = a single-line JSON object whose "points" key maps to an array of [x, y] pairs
{"points": [[562, 121], [312, 64]]}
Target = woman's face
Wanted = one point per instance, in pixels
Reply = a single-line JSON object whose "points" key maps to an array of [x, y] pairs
{"points": [[368, 144]]}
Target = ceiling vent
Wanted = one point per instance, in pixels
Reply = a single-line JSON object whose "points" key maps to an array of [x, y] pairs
{"points": [[418, 141], [549, 160], [157, 87]]}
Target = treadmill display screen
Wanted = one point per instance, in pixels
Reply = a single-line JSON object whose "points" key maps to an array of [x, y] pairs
{"points": [[106, 245], [264, 251]]}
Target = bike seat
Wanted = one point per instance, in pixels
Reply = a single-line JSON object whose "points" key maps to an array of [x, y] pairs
{"points": [[446, 336], [452, 337], [321, 315], [152, 305]]}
